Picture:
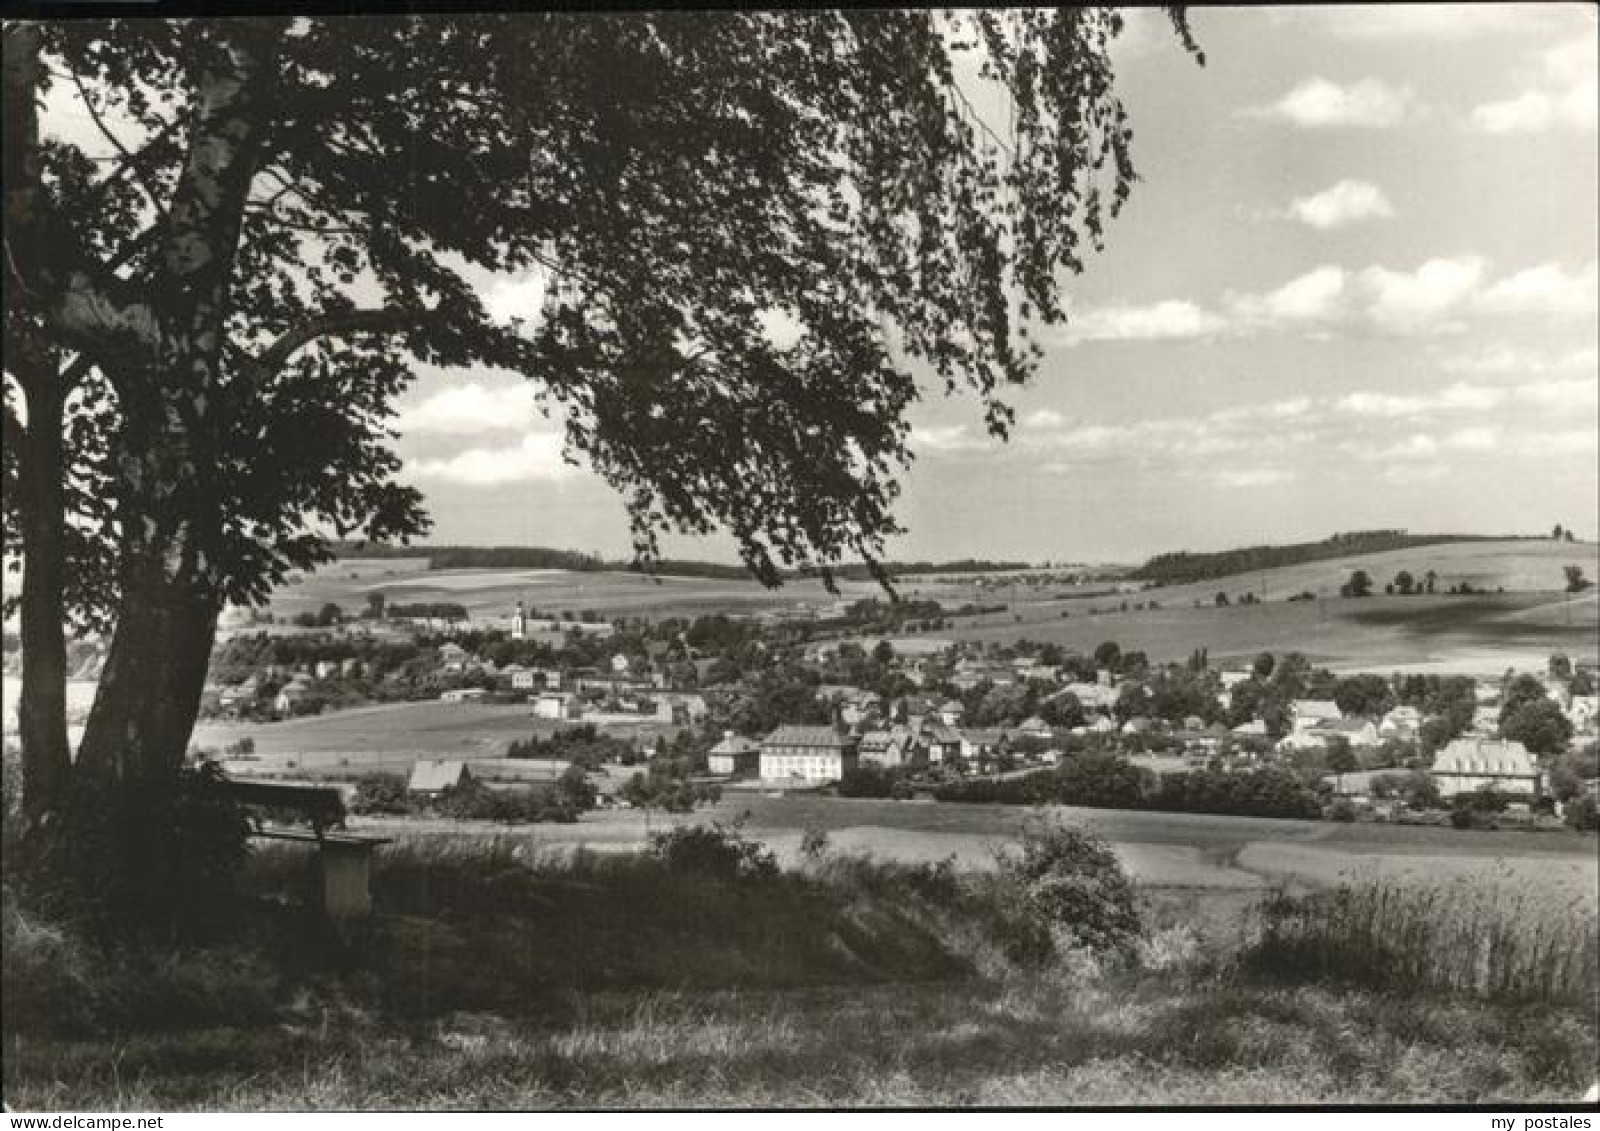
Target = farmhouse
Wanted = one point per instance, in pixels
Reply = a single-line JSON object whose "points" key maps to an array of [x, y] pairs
{"points": [[891, 748], [1581, 714], [735, 754], [677, 707], [462, 695], [294, 697], [557, 705], [1035, 727], [1402, 722], [1468, 764], [453, 657], [810, 754], [1307, 713], [982, 745], [941, 743], [432, 777]]}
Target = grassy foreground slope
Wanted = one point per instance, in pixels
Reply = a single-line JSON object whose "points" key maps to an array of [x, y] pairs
{"points": [[493, 978]]}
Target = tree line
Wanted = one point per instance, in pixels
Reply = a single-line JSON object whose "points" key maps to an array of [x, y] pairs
{"points": [[1183, 566]]}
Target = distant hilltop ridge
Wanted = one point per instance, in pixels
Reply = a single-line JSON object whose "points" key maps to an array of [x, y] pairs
{"points": [[538, 557], [1183, 566]]}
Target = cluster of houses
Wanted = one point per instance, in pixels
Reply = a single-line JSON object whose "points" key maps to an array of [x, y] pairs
{"points": [[918, 732]]}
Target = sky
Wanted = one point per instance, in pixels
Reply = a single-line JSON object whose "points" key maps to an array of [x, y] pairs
{"points": [[1355, 288]]}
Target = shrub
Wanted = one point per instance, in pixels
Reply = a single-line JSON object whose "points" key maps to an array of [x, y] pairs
{"points": [[718, 850], [1581, 814], [868, 781], [473, 800], [1073, 891], [381, 793], [814, 843], [1342, 811]]}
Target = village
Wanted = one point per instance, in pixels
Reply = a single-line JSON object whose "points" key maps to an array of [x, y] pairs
{"points": [[844, 704]]}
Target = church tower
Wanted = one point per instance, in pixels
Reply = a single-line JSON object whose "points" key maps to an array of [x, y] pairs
{"points": [[519, 623]]}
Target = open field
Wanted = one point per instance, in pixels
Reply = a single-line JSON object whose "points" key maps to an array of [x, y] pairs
{"points": [[1487, 633], [1460, 634], [394, 735], [1184, 850], [493, 592]]}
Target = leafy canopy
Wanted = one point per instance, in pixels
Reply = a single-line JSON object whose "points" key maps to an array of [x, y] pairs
{"points": [[752, 231]]}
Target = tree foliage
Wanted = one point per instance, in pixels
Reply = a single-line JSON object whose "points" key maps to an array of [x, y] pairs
{"points": [[771, 227]]}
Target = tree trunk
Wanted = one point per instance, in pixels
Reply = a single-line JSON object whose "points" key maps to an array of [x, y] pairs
{"points": [[149, 695], [46, 757]]}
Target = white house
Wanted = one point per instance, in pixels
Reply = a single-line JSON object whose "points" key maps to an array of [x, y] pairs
{"points": [[1583, 711], [891, 748], [292, 695], [557, 705], [462, 695], [735, 754], [1401, 722], [432, 777], [1307, 713], [951, 712]]}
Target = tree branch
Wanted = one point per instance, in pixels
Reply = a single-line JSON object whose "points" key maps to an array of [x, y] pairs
{"points": [[131, 161], [351, 322]]}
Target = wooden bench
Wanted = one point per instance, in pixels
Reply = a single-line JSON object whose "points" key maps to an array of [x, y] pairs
{"points": [[344, 859]]}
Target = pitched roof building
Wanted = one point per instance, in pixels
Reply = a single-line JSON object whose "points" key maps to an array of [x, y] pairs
{"points": [[808, 754], [1468, 764]]}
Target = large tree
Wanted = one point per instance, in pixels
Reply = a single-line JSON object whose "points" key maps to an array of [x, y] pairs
{"points": [[756, 227]]}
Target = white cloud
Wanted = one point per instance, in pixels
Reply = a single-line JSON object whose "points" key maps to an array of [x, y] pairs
{"points": [[465, 410], [1167, 320], [1440, 295], [1406, 299], [950, 438], [1042, 418], [1347, 202], [1578, 396], [1253, 477], [1315, 295], [537, 456], [1560, 91], [1318, 103], [1545, 289]]}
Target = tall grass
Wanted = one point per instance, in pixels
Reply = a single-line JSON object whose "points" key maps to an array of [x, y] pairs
{"points": [[1479, 940]]}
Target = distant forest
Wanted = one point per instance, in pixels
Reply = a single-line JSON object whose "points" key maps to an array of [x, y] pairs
{"points": [[1183, 566], [538, 557]]}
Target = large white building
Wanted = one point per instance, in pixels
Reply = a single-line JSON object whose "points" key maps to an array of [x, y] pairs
{"points": [[807, 754], [1469, 764]]}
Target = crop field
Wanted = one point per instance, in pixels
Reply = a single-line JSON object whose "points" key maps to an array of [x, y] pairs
{"points": [[493, 592], [1488, 633], [1219, 854], [393, 735]]}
